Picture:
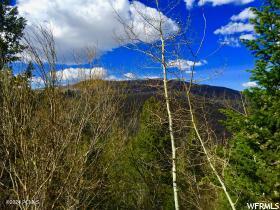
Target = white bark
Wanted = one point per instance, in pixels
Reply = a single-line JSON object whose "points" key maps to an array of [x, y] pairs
{"points": [[206, 152], [170, 120]]}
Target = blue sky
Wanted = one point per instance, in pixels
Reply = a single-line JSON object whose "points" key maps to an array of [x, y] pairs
{"points": [[227, 67]]}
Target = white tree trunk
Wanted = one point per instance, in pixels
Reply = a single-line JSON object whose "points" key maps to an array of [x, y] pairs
{"points": [[206, 152], [170, 121]]}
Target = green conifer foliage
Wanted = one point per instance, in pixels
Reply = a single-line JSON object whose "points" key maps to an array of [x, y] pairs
{"points": [[254, 172], [11, 32]]}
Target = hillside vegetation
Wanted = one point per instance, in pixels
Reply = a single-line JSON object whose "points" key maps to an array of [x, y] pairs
{"points": [[137, 144]]}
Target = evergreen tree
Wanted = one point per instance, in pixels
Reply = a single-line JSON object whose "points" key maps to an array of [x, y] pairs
{"points": [[151, 154], [29, 70], [254, 171], [11, 32], [141, 177]]}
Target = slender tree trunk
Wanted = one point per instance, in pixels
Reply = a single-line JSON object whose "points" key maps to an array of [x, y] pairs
{"points": [[205, 150], [173, 147]]}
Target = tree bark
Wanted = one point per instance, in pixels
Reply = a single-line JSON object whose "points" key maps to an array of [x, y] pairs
{"points": [[206, 152], [170, 121]]}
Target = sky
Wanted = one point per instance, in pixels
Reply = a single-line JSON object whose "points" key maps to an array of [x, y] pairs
{"points": [[222, 61]]}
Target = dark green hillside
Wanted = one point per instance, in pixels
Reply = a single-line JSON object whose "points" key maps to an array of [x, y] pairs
{"points": [[208, 99]]}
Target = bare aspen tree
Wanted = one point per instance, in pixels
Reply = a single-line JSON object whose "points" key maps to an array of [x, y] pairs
{"points": [[52, 140], [204, 147], [188, 88], [41, 50], [156, 38]]}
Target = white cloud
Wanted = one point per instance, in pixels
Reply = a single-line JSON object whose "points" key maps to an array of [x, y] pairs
{"points": [[244, 15], [247, 36], [239, 28], [80, 74], [145, 21], [185, 65], [78, 24], [249, 84], [189, 3], [147, 77], [232, 28], [230, 41], [222, 2], [73, 75], [37, 82], [130, 75], [111, 77]]}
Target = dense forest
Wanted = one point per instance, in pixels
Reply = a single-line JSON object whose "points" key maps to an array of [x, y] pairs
{"points": [[137, 144]]}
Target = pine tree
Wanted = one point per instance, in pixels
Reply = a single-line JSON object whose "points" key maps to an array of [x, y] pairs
{"points": [[11, 32], [151, 154], [254, 171], [142, 172]]}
